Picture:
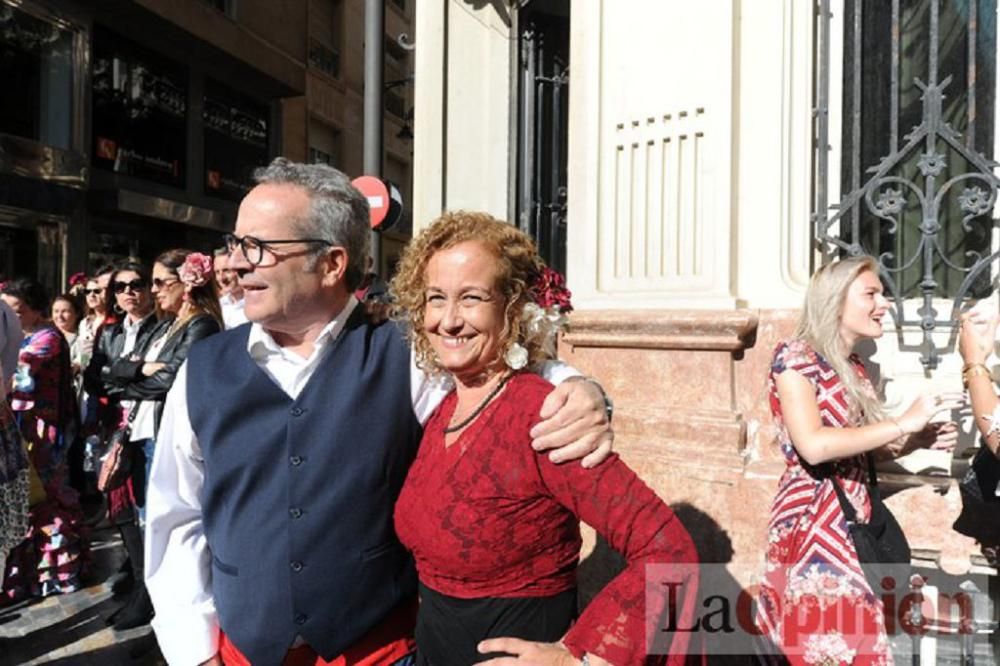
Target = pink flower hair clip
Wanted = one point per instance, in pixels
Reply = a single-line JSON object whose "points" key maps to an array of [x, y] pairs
{"points": [[77, 279], [196, 270]]}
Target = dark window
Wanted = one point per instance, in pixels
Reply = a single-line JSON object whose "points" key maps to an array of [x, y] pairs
{"points": [[36, 76], [317, 156], [236, 140], [324, 58], [140, 110]]}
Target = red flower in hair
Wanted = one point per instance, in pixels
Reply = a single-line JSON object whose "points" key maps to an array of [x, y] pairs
{"points": [[77, 279], [549, 290]]}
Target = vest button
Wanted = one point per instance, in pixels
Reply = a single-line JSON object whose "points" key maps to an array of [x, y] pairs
{"points": [[297, 411], [300, 619], [295, 513], [296, 566], [295, 460]]}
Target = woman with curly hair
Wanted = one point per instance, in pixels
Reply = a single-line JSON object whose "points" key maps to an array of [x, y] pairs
{"points": [[188, 306], [50, 560], [492, 524], [816, 605]]}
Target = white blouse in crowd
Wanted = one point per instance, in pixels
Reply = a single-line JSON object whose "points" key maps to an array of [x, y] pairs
{"points": [[86, 337], [178, 562], [131, 329], [144, 425]]}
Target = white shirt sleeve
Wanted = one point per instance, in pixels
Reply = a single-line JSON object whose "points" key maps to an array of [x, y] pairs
{"points": [[428, 391], [178, 561]]}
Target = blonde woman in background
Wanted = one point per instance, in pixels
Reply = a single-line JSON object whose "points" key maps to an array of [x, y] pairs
{"points": [[830, 423]]}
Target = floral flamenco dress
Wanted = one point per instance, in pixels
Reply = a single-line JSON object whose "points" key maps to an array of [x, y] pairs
{"points": [[815, 605], [13, 482], [50, 559]]}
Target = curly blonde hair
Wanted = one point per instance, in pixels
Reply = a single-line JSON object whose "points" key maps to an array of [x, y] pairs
{"points": [[517, 262]]}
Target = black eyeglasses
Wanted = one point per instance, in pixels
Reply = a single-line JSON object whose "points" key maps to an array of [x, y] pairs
{"points": [[93, 292], [134, 285], [253, 248]]}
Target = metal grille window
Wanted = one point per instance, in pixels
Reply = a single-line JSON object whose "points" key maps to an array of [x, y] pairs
{"points": [[917, 117], [543, 113]]}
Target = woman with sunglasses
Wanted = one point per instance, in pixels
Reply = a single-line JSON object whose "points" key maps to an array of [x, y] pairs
{"points": [[95, 294], [49, 561], [188, 306], [127, 327]]}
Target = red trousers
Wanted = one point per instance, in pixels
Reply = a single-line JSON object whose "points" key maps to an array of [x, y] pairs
{"points": [[384, 645]]}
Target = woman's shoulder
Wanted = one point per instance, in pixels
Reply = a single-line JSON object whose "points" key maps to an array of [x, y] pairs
{"points": [[197, 327], [47, 334], [796, 354], [528, 384], [524, 396]]}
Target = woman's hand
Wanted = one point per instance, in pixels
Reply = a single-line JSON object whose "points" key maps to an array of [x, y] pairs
{"points": [[528, 652], [914, 419], [150, 369], [976, 333], [941, 436]]}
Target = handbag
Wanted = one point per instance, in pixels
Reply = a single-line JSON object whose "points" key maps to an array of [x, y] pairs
{"points": [[882, 548], [117, 463], [978, 490]]}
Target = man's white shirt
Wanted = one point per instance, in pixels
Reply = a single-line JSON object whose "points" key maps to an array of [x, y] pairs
{"points": [[178, 561], [233, 314]]}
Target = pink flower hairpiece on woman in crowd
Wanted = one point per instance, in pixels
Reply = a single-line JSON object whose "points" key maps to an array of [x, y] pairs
{"points": [[196, 270], [77, 279]]}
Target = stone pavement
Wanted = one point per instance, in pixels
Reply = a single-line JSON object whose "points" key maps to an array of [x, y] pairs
{"points": [[69, 630]]}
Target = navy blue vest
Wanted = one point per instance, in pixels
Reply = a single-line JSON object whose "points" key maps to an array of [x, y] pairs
{"points": [[298, 496]]}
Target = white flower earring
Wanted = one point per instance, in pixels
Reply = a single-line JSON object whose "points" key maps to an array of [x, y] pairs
{"points": [[516, 356]]}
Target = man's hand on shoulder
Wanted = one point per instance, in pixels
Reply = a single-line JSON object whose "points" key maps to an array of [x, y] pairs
{"points": [[575, 423]]}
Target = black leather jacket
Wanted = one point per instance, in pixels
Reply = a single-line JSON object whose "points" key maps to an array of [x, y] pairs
{"points": [[127, 373], [108, 347]]}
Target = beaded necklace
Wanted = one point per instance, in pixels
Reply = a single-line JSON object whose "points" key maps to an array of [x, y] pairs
{"points": [[479, 408]]}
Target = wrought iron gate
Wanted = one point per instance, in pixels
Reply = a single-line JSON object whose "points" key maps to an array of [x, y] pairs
{"points": [[919, 91], [542, 118]]}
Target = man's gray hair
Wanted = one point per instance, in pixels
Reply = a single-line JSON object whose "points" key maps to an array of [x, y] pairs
{"points": [[338, 214]]}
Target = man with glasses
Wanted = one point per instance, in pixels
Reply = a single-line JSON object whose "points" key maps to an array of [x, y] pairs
{"points": [[284, 444]]}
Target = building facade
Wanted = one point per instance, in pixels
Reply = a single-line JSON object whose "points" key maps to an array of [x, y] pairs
{"points": [[690, 164], [132, 126]]}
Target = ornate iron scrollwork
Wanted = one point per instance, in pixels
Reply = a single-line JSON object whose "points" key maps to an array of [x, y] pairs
{"points": [[887, 195]]}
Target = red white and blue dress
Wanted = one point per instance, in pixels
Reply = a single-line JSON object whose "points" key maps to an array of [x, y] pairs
{"points": [[815, 604]]}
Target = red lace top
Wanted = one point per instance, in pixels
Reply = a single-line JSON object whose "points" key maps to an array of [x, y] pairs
{"points": [[487, 516]]}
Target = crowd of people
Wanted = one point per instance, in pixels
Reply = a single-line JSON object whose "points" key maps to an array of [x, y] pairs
{"points": [[300, 478]]}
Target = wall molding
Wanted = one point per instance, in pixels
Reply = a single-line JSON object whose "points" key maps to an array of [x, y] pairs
{"points": [[711, 330]]}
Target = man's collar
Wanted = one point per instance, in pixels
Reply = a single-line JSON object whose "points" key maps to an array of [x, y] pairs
{"points": [[261, 344]]}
